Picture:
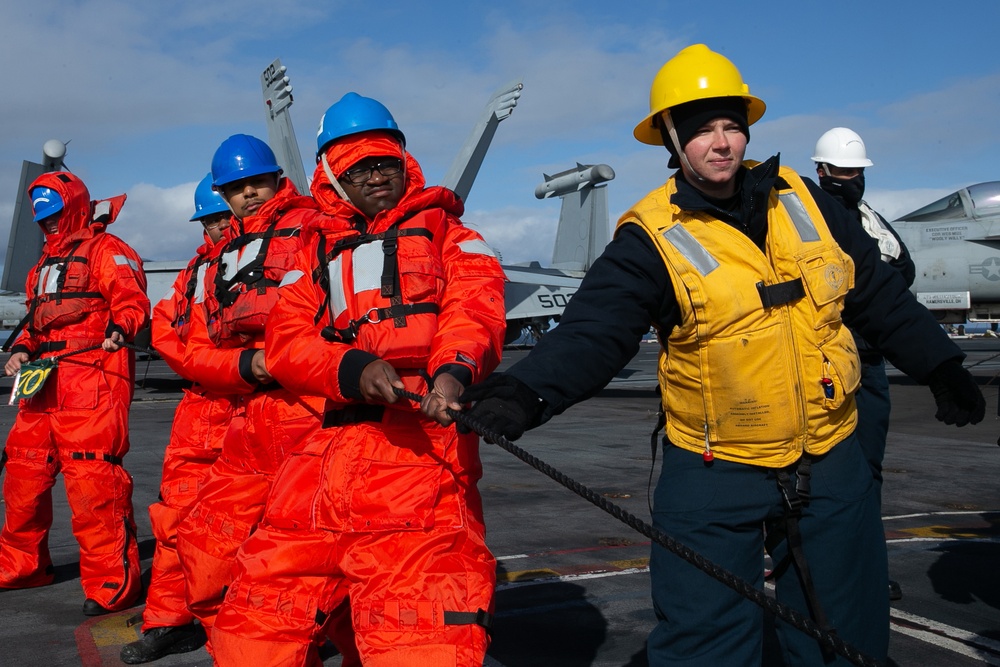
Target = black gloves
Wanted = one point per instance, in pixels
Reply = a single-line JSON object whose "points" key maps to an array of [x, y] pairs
{"points": [[503, 406], [959, 400]]}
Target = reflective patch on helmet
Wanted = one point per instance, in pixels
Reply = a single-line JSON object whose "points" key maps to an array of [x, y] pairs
{"points": [[122, 260], [692, 251], [476, 247], [290, 277]]}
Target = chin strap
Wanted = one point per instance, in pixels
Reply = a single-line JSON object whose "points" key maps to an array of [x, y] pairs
{"points": [[333, 179], [668, 123]]}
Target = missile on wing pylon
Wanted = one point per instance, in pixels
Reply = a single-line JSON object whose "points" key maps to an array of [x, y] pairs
{"points": [[583, 221], [574, 180]]}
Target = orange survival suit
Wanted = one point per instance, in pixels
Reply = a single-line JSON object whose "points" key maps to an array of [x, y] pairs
{"points": [[87, 284], [378, 511], [200, 423], [268, 421]]}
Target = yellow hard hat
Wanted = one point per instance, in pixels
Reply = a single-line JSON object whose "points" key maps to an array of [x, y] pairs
{"points": [[696, 73]]}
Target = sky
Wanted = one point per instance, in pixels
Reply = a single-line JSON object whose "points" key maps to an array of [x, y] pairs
{"points": [[145, 92]]}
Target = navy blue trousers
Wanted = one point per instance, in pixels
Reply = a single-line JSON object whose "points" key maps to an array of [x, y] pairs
{"points": [[719, 510], [873, 418]]}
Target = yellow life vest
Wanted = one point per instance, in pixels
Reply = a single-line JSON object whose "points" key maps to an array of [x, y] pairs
{"points": [[762, 367]]}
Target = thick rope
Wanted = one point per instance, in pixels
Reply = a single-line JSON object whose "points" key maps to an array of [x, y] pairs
{"points": [[91, 348], [791, 616]]}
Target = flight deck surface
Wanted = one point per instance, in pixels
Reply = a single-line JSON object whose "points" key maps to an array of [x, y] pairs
{"points": [[573, 581]]}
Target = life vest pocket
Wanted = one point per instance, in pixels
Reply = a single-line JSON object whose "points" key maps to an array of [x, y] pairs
{"points": [[750, 388], [421, 279], [74, 386], [828, 274], [841, 369], [393, 496], [291, 503]]}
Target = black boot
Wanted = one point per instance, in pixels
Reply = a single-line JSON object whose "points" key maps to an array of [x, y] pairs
{"points": [[158, 642], [94, 608], [895, 592]]}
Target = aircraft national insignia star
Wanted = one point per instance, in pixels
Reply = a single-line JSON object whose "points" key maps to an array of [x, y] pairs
{"points": [[990, 268]]}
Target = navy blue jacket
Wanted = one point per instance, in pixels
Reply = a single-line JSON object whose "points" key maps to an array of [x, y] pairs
{"points": [[628, 289]]}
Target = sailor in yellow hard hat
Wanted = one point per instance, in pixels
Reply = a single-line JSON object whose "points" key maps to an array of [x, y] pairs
{"points": [[746, 271]]}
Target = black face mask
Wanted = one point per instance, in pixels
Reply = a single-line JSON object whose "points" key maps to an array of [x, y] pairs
{"points": [[849, 190]]}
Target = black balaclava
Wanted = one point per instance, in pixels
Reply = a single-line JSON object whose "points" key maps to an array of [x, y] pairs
{"points": [[847, 190], [690, 116]]}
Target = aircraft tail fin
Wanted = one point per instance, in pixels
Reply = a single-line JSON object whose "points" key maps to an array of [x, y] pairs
{"points": [[464, 169], [280, 135]]}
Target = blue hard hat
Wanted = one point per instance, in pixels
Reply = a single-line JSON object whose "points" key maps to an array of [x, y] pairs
{"points": [[242, 156], [351, 115], [207, 201], [45, 202]]}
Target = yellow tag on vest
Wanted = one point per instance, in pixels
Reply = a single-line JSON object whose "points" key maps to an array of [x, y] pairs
{"points": [[31, 378]]}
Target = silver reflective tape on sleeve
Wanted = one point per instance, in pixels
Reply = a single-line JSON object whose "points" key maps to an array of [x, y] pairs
{"points": [[122, 260], [290, 277], [476, 247], [338, 300], [692, 251], [367, 265], [800, 218]]}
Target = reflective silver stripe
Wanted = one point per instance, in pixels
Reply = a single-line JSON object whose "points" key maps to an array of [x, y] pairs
{"points": [[122, 260], [367, 263], [168, 296], [102, 209], [199, 286], [800, 217], [234, 260], [691, 249], [338, 300], [476, 247], [290, 277], [48, 279]]}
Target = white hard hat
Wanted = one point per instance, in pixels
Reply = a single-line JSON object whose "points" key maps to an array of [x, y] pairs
{"points": [[841, 147]]}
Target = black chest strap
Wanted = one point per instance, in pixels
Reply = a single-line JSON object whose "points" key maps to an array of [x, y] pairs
{"points": [[251, 276], [389, 283], [780, 293]]}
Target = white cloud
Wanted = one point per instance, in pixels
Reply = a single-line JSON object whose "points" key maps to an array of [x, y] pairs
{"points": [[154, 221]]}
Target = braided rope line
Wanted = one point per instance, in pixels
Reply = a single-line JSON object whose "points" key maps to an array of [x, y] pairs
{"points": [[793, 617], [91, 348]]}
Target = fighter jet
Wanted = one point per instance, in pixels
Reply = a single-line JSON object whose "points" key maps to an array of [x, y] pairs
{"points": [[955, 245], [536, 295]]}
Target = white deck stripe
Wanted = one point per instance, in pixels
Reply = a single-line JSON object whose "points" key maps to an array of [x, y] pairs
{"points": [[947, 637]]}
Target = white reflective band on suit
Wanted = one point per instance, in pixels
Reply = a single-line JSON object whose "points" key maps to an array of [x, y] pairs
{"points": [[48, 279], [122, 260], [234, 260]]}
